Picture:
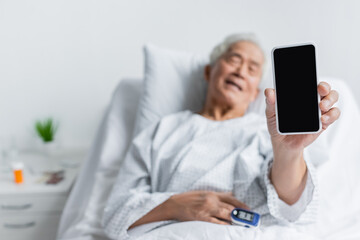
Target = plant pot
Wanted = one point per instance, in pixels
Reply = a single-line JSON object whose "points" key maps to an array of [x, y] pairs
{"points": [[50, 148], [50, 151]]}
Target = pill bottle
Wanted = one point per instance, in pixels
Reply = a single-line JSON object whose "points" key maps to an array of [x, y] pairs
{"points": [[18, 169]]}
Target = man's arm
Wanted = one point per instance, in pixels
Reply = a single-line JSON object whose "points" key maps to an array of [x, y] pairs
{"points": [[206, 206], [160, 213], [288, 173]]}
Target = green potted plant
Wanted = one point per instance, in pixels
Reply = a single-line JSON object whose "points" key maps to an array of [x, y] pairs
{"points": [[46, 130]]}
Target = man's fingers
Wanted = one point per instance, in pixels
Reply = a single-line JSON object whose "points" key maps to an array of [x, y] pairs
{"points": [[228, 207], [331, 116], [218, 221], [226, 198], [270, 95], [324, 88], [329, 100], [270, 102], [224, 211]]}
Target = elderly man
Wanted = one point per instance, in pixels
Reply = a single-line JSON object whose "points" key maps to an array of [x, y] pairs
{"points": [[200, 166]]}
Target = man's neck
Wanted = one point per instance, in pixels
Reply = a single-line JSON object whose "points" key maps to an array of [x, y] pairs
{"points": [[221, 113]]}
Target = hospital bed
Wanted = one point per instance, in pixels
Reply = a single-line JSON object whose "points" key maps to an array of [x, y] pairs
{"points": [[338, 178]]}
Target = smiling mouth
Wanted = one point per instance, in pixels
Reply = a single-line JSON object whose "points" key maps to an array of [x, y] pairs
{"points": [[234, 84]]}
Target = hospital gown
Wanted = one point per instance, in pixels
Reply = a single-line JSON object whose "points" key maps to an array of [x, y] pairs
{"points": [[186, 151]]}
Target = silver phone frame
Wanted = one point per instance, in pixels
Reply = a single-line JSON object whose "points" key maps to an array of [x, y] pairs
{"points": [[317, 84]]}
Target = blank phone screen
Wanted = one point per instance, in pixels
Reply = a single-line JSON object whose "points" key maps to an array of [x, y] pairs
{"points": [[296, 89]]}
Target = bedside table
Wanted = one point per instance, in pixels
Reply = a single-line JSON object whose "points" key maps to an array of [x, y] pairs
{"points": [[32, 210]]}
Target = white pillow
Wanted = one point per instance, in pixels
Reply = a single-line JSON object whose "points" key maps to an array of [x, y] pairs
{"points": [[174, 81]]}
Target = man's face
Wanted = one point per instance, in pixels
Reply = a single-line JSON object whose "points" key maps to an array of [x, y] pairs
{"points": [[234, 78]]}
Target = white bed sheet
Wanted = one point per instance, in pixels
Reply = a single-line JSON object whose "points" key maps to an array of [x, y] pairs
{"points": [[338, 179]]}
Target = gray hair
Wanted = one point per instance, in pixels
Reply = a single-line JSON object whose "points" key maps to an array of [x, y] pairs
{"points": [[222, 47]]}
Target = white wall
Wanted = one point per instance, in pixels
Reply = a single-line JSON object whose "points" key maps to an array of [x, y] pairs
{"points": [[64, 58]]}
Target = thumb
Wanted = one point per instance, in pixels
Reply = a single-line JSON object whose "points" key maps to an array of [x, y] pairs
{"points": [[270, 102]]}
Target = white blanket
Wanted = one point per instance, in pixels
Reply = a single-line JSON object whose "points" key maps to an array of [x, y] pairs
{"points": [[204, 230]]}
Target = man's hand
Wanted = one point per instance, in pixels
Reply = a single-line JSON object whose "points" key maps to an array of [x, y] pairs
{"points": [[288, 172], [206, 206], [329, 115]]}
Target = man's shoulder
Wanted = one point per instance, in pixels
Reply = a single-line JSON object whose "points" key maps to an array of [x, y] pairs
{"points": [[170, 124], [176, 116], [172, 119]]}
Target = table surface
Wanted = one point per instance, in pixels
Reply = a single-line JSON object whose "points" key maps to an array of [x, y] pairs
{"points": [[35, 165]]}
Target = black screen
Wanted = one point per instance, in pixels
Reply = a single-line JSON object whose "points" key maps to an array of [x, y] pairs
{"points": [[296, 89]]}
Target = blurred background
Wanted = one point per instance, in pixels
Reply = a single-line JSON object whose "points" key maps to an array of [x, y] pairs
{"points": [[63, 59]]}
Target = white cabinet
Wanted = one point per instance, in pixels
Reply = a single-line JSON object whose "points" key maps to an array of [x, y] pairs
{"points": [[32, 210], [29, 226]]}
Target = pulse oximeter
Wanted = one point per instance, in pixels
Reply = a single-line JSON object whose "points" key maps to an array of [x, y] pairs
{"points": [[245, 218]]}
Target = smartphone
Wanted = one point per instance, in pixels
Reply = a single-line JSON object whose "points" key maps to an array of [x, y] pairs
{"points": [[295, 82]]}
